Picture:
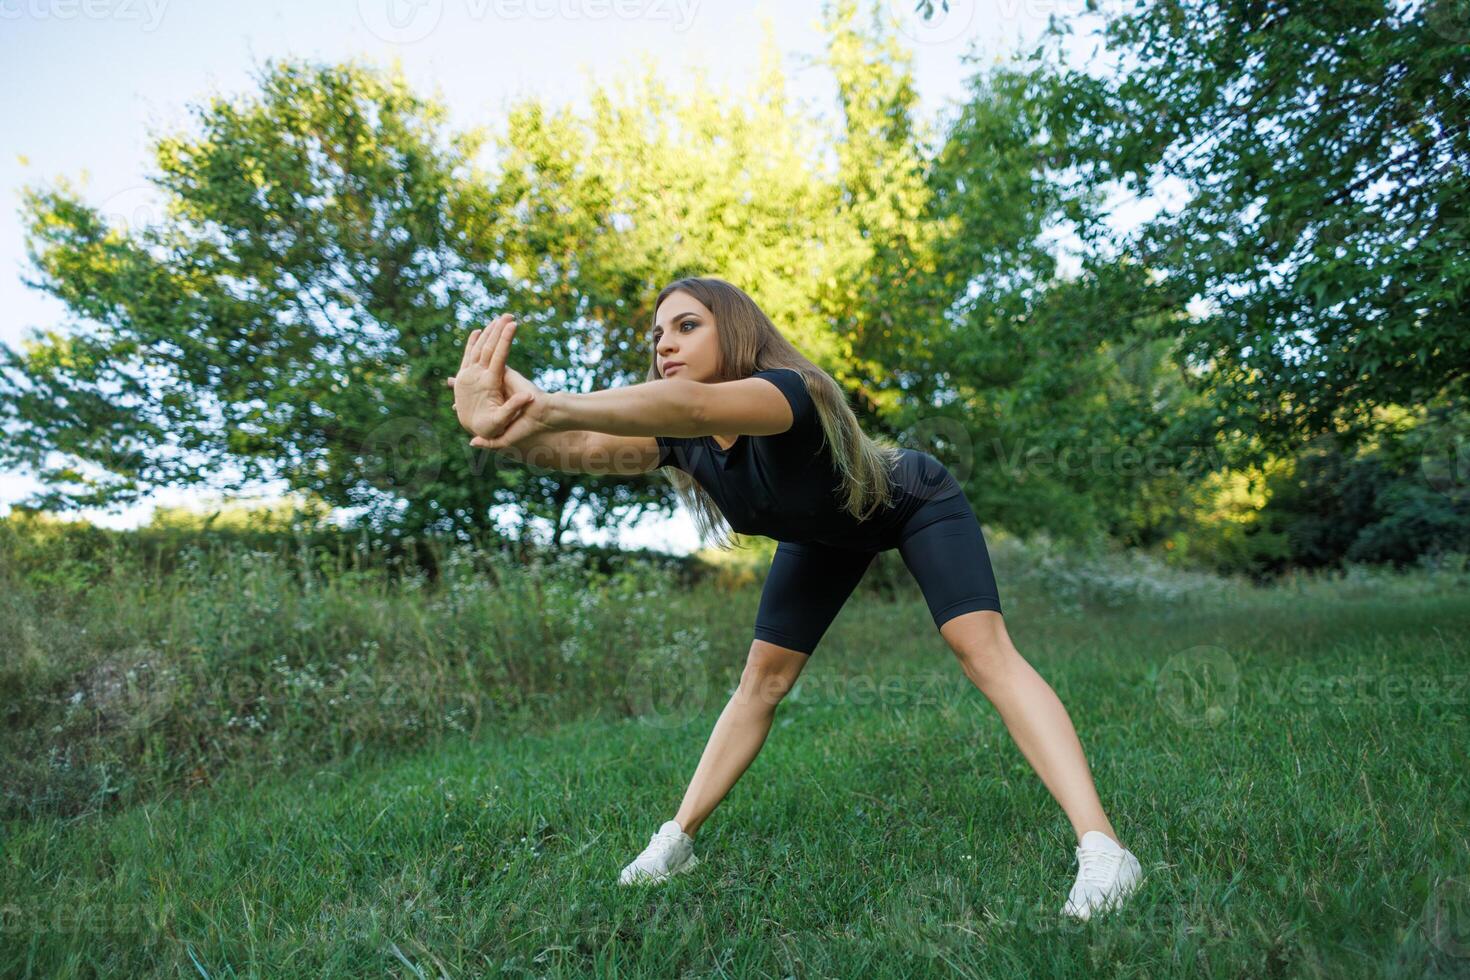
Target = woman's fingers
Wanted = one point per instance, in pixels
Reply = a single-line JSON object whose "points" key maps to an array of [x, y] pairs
{"points": [[486, 338], [468, 348], [500, 419], [484, 335], [488, 347], [511, 409], [449, 381], [502, 348], [487, 350]]}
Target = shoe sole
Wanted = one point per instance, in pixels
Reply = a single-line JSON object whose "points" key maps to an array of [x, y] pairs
{"points": [[656, 879]]}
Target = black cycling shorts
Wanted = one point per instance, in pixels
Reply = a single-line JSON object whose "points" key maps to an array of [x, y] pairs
{"points": [[940, 542]]}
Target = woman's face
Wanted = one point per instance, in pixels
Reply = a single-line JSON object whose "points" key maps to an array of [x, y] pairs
{"points": [[685, 344]]}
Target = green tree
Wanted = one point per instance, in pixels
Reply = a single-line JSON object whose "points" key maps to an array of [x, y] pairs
{"points": [[292, 316], [1051, 388], [1324, 151]]}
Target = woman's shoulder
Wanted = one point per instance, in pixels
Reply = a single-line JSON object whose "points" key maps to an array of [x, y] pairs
{"points": [[792, 384], [779, 372], [806, 433]]}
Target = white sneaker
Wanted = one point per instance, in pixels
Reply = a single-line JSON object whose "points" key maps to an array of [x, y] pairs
{"points": [[669, 852], [1106, 873]]}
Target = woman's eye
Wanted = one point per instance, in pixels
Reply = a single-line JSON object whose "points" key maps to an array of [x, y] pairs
{"points": [[686, 323]]}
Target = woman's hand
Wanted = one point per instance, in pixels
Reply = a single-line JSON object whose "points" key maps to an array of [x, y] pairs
{"points": [[527, 425], [487, 396], [520, 424], [495, 402]]}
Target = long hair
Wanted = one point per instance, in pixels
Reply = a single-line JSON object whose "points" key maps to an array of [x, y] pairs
{"points": [[750, 342]]}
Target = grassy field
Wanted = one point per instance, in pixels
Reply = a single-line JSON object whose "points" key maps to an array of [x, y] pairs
{"points": [[1287, 763]]}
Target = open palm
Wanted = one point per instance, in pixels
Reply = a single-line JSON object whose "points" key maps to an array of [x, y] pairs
{"points": [[490, 398]]}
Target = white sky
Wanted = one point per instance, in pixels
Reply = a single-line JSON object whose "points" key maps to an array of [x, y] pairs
{"points": [[88, 80]]}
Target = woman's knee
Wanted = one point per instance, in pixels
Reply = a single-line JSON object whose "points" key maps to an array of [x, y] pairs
{"points": [[981, 644], [770, 671]]}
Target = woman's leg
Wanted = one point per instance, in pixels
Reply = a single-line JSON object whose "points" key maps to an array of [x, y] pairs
{"points": [[1032, 713], [770, 672], [805, 588], [945, 550]]}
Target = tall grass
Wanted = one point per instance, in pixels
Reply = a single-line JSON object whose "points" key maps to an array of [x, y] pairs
{"points": [[132, 670], [127, 682]]}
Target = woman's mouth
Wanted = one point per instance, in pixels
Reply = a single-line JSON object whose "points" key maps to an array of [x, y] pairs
{"points": [[671, 365]]}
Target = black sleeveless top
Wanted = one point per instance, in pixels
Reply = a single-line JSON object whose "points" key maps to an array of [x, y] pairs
{"points": [[784, 486]]}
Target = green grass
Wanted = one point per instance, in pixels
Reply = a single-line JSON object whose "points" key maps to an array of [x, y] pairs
{"points": [[1295, 811]]}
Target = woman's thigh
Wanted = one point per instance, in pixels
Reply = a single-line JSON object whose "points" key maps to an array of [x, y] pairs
{"points": [[805, 589], [944, 549]]}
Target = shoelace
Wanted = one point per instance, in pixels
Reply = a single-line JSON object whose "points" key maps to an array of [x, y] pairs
{"points": [[1097, 868], [667, 839]]}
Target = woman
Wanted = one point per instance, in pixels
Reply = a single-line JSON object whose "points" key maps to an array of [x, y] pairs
{"points": [[759, 439]]}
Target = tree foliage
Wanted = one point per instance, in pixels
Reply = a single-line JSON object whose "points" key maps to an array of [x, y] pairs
{"points": [[291, 316], [1323, 151], [330, 240]]}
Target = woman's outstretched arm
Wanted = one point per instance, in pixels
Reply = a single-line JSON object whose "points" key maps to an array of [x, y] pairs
{"points": [[558, 450], [666, 407], [580, 451], [671, 407]]}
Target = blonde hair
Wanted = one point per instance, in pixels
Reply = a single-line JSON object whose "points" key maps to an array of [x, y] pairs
{"points": [[750, 342]]}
